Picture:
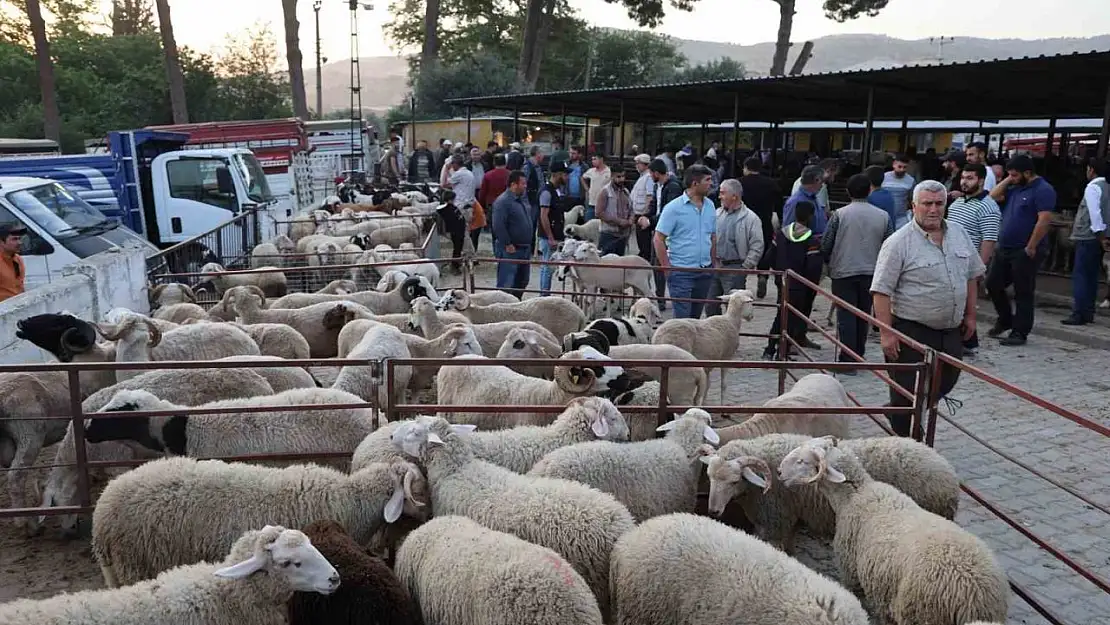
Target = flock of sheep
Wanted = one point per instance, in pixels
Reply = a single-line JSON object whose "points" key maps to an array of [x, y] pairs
{"points": [[584, 517]]}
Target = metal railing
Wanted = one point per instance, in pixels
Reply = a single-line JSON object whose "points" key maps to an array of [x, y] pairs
{"points": [[228, 244]]}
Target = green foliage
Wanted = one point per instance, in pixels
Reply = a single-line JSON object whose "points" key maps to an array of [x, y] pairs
{"points": [[723, 68], [650, 13], [625, 57], [844, 10], [471, 76]]}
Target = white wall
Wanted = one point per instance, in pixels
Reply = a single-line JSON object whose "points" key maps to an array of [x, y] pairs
{"points": [[87, 289]]}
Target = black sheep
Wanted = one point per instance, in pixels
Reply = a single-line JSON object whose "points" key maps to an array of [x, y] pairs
{"points": [[369, 593]]}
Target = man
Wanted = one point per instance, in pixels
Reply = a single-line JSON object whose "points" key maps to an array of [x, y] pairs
{"points": [[515, 158], [494, 182], [953, 164], [980, 217], [443, 155], [739, 243], [976, 154], [763, 197], [667, 188], [475, 164], [711, 153], [487, 156], [1089, 234], [829, 167], [554, 203], [533, 170], [423, 166], [812, 180], [797, 249], [879, 196], [512, 235], [614, 209], [666, 156], [13, 272], [1028, 201], [575, 168], [925, 287], [456, 215], [899, 184], [641, 205], [558, 152], [686, 236], [851, 246], [595, 180]]}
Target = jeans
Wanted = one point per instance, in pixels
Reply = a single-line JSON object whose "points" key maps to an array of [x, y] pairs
{"points": [[589, 213], [546, 271], [513, 277], [645, 240], [456, 228], [1011, 265], [475, 235], [852, 330], [801, 298], [947, 341], [1084, 279], [723, 283], [612, 244], [690, 284]]}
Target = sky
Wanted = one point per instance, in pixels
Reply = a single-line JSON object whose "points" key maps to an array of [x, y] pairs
{"points": [[205, 24]]}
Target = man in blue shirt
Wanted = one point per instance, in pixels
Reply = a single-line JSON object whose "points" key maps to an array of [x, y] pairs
{"points": [[575, 169], [879, 196], [812, 178], [686, 236], [1027, 204], [512, 235]]}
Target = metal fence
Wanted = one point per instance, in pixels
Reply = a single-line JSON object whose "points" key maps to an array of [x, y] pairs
{"points": [[228, 244]]}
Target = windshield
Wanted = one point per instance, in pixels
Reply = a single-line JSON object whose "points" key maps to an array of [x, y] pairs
{"points": [[58, 211], [257, 187]]}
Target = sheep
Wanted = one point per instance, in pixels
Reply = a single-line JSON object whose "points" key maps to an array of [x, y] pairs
{"points": [[273, 284], [427, 269], [816, 390], [557, 315], [369, 592], [390, 280], [641, 424], [911, 467], [188, 387], [273, 252], [379, 342], [589, 231], [395, 301], [277, 339], [180, 313], [686, 385], [625, 271], [714, 338], [338, 287], [645, 317], [684, 569], [912, 565], [319, 324], [249, 587], [304, 224], [136, 536], [504, 580], [280, 378], [234, 433], [580, 523], [474, 383], [527, 343], [396, 234], [491, 336], [457, 340], [650, 478], [616, 330], [485, 298], [356, 328], [171, 293]]}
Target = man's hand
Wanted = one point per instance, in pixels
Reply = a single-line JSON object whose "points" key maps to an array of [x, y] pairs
{"points": [[1105, 244], [968, 327], [510, 248], [889, 344], [552, 244], [643, 222], [1030, 251], [955, 194]]}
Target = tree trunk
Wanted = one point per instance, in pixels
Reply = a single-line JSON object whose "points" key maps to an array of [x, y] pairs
{"points": [[51, 118], [293, 57], [173, 64], [782, 43], [533, 23], [430, 52], [533, 72]]}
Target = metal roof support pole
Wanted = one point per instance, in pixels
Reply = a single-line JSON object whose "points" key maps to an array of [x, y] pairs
{"points": [[412, 121], [1049, 138], [586, 138], [904, 140], [516, 124], [621, 147], [1104, 137], [774, 147], [735, 133], [868, 126], [563, 126], [468, 124], [701, 148], [1001, 142]]}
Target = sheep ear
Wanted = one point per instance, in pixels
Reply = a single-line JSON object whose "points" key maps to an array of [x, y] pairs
{"points": [[711, 435], [244, 568], [434, 439], [707, 459], [395, 504], [666, 427], [834, 476], [753, 477], [599, 426], [460, 428]]}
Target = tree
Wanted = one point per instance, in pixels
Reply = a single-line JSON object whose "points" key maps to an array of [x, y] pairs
{"points": [[723, 68], [131, 17], [430, 51], [623, 58], [839, 10], [293, 57], [463, 78], [174, 77], [650, 13], [52, 118]]}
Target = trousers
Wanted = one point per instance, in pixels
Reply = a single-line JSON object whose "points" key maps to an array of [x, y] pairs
{"points": [[947, 341]]}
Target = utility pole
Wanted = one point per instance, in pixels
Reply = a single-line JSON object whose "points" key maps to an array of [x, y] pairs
{"points": [[940, 43], [316, 4]]}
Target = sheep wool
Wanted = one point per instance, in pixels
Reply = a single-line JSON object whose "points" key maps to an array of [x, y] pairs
{"points": [[683, 569], [177, 511], [462, 573], [816, 390]]}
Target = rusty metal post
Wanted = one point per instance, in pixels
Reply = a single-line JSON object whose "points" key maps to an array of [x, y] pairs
{"points": [[389, 409], [78, 417], [664, 377], [784, 317], [924, 394], [935, 378]]}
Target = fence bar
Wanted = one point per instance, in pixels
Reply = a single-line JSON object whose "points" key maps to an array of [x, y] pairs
{"points": [[83, 492], [784, 317]]}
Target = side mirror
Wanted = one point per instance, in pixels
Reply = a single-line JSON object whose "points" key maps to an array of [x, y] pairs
{"points": [[224, 184], [34, 245]]}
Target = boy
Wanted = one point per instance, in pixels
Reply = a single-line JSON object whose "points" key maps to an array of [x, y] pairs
{"points": [[797, 248]]}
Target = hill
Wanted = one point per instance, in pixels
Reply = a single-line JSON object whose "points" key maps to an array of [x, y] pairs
{"points": [[384, 78]]}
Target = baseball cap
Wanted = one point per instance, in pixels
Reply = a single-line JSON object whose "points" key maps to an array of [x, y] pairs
{"points": [[558, 166], [6, 230], [447, 143], [643, 158], [956, 157], [1021, 162]]}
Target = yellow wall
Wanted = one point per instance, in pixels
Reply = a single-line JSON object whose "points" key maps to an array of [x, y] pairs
{"points": [[481, 131]]}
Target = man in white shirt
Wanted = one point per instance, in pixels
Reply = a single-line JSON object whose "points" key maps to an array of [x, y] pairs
{"points": [[1088, 232], [900, 185], [641, 205], [460, 180], [976, 154], [596, 179]]}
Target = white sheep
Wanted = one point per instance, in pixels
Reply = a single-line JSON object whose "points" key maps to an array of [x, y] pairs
{"points": [[395, 235], [395, 301], [171, 293], [451, 557], [136, 536], [913, 468], [281, 378], [528, 343], [249, 587], [683, 569], [491, 336], [650, 478], [623, 271], [580, 523], [557, 315], [458, 340], [685, 385], [485, 298], [341, 286], [273, 252], [816, 390], [180, 313], [319, 324], [272, 283], [277, 339], [390, 279], [714, 338], [379, 342], [912, 565], [589, 231]]}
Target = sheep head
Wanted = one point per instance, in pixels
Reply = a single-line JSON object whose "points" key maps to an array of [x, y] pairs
{"points": [[605, 421], [127, 325], [727, 477], [526, 343], [361, 240], [740, 300], [694, 414], [420, 308], [456, 299], [460, 341], [284, 244], [272, 549], [410, 496], [340, 315], [811, 462], [242, 298], [416, 286], [64, 336], [588, 337], [413, 438]]}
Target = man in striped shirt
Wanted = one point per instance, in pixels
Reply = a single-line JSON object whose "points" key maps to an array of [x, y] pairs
{"points": [[980, 217]]}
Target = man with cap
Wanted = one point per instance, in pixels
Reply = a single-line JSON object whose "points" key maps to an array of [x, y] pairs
{"points": [[554, 203], [1028, 201], [12, 270], [515, 158], [953, 164], [641, 205]]}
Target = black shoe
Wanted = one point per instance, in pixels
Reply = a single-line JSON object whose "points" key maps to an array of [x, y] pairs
{"points": [[1013, 340], [997, 330], [1075, 321], [761, 288], [808, 344], [769, 354]]}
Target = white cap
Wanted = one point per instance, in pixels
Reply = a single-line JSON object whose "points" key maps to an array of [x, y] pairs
{"points": [[447, 143]]}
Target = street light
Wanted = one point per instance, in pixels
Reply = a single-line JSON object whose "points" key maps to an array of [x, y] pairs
{"points": [[316, 4]]}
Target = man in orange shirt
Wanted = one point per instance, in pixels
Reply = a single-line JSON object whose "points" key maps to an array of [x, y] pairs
{"points": [[12, 271]]}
